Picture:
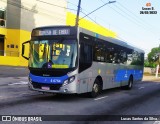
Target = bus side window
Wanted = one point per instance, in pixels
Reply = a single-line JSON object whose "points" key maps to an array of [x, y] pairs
{"points": [[88, 53], [123, 55], [110, 54], [82, 52], [99, 51], [129, 57], [137, 58], [85, 56]]}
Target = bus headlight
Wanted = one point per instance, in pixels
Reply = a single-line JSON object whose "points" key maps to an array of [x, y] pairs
{"points": [[69, 80]]}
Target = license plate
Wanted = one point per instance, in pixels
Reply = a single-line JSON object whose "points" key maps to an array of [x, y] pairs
{"points": [[45, 88]]}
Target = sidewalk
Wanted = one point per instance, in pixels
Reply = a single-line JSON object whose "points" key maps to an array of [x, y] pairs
{"points": [[150, 78]]}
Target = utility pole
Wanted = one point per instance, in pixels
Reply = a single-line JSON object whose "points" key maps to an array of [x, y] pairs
{"points": [[97, 9], [158, 66], [77, 18]]}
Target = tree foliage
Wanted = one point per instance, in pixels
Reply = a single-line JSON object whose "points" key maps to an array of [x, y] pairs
{"points": [[153, 56], [149, 64]]}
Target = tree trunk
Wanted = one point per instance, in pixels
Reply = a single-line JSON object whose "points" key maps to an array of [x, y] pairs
{"points": [[157, 69]]}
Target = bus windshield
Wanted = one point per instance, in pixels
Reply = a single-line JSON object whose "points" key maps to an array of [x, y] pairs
{"points": [[54, 54]]}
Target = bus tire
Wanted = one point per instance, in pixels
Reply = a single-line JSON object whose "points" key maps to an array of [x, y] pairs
{"points": [[95, 89], [130, 83]]}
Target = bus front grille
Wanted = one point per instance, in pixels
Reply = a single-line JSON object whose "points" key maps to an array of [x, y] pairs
{"points": [[51, 86]]}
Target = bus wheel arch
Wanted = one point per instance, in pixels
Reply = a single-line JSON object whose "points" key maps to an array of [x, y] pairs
{"points": [[99, 78], [130, 82], [97, 87]]}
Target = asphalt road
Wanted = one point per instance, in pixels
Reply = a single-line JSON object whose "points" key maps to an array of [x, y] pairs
{"points": [[9, 71], [16, 99]]}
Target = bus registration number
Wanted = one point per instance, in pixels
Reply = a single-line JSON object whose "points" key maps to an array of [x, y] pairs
{"points": [[45, 88]]}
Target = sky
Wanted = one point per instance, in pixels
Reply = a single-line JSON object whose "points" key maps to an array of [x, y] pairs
{"points": [[124, 18]]}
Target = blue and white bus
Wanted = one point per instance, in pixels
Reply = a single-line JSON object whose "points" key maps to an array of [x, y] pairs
{"points": [[66, 59]]}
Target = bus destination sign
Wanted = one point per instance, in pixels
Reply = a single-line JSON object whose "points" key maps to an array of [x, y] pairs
{"points": [[47, 32]]}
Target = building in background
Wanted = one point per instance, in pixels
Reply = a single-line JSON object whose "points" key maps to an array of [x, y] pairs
{"points": [[19, 17]]}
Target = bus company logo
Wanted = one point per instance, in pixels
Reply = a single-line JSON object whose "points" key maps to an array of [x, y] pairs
{"points": [[148, 9], [6, 118]]}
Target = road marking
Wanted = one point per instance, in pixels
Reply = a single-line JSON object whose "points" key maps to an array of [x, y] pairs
{"points": [[141, 88], [19, 68], [156, 122], [19, 83], [101, 98]]}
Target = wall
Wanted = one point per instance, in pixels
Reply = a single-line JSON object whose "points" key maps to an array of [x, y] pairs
{"points": [[149, 70], [12, 39], [5, 60], [24, 36], [13, 14], [36, 13], [15, 37], [3, 4]]}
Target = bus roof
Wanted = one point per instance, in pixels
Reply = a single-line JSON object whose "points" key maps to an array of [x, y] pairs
{"points": [[110, 39]]}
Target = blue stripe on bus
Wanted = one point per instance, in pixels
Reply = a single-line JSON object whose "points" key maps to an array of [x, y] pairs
{"points": [[123, 75], [48, 80]]}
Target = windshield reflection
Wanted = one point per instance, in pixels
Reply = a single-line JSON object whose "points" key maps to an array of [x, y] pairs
{"points": [[53, 54]]}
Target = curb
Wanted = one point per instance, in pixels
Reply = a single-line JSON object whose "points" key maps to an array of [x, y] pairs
{"points": [[152, 79]]}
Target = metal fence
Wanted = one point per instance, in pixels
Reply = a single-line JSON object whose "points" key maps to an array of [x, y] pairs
{"points": [[9, 53]]}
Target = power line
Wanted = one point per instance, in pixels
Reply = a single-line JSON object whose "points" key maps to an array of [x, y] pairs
{"points": [[96, 22], [72, 3], [118, 37], [82, 11], [88, 15], [121, 13], [130, 19], [143, 22], [21, 6], [135, 19], [56, 5], [32, 10], [134, 14], [98, 8]]}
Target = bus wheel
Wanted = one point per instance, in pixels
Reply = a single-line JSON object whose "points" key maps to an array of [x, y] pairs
{"points": [[130, 83], [95, 89]]}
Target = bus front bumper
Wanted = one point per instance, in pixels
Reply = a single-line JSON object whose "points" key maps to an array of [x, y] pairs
{"points": [[68, 89]]}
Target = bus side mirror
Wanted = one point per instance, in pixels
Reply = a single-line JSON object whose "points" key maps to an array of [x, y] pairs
{"points": [[23, 50]]}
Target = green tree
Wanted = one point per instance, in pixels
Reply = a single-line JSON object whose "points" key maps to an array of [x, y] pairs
{"points": [[154, 56], [149, 64]]}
